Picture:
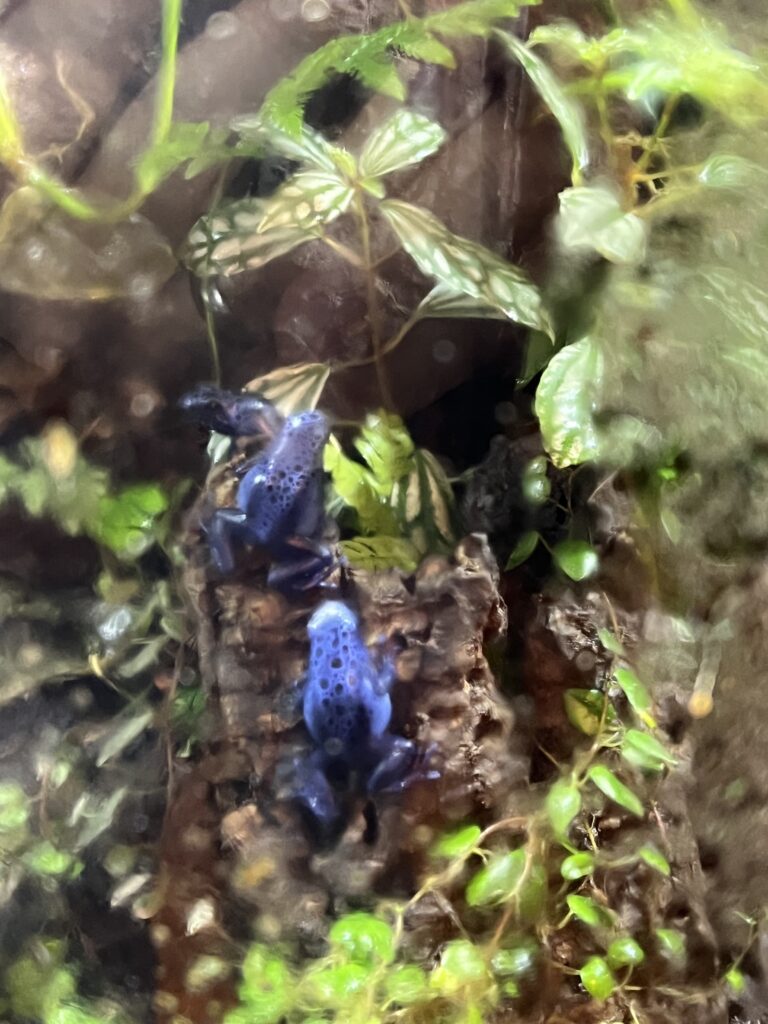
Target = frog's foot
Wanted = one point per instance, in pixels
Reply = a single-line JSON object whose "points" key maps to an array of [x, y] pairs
{"points": [[225, 528], [308, 786], [303, 565], [402, 765]]}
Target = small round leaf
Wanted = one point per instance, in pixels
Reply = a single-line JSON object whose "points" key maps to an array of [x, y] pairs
{"points": [[607, 783], [457, 844], [625, 952], [563, 804], [597, 978], [363, 938], [576, 558], [578, 865]]}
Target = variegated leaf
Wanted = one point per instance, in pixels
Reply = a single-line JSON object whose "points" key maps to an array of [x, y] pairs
{"points": [[294, 388], [307, 201], [465, 266], [591, 217], [228, 241], [566, 400], [406, 138], [425, 504], [308, 148], [444, 301]]}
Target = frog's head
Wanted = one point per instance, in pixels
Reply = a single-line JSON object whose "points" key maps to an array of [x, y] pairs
{"points": [[236, 414], [309, 430], [331, 616]]}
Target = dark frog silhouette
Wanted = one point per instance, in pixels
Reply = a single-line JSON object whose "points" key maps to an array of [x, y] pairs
{"points": [[347, 711], [280, 497]]}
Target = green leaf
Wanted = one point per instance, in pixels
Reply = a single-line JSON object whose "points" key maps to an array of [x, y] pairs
{"points": [[515, 963], [510, 877], [458, 844], [624, 952], [563, 803], [461, 965], [587, 911], [577, 559], [535, 482], [268, 987], [429, 50], [610, 642], [591, 217], [425, 506], [732, 172], [734, 979], [369, 489], [405, 984], [363, 938], [635, 692], [126, 523], [498, 880], [566, 400], [597, 978], [522, 550], [406, 138], [377, 554], [644, 751], [465, 266], [569, 114], [14, 807], [615, 790], [587, 709], [292, 389], [36, 984], [185, 141], [124, 729], [46, 859], [578, 865], [671, 943], [654, 859]]}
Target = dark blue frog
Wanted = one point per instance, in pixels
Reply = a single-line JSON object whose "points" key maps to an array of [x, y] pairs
{"points": [[280, 497], [347, 710]]}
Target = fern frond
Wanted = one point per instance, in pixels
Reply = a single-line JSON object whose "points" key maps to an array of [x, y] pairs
{"points": [[371, 58]]}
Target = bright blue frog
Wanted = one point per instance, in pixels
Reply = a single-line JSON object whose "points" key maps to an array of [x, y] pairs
{"points": [[347, 710], [280, 498]]}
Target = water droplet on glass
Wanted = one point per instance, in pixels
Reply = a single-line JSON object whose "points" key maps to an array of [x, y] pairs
{"points": [[222, 25], [505, 413], [315, 10], [444, 350], [143, 403]]}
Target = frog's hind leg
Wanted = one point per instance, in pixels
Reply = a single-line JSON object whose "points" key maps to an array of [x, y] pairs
{"points": [[401, 765], [225, 528], [309, 787]]}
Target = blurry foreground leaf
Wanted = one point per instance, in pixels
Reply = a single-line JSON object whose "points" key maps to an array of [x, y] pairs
{"points": [[48, 254], [457, 844], [591, 217], [589, 710], [563, 803], [569, 113]]}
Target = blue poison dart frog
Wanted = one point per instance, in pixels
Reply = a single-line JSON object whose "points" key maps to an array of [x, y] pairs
{"points": [[279, 504], [347, 711]]}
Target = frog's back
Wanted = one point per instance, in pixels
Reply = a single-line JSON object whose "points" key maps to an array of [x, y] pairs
{"points": [[291, 498], [340, 702]]}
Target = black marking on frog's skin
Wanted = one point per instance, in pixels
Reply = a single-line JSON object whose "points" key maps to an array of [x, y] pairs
{"points": [[347, 711], [280, 502]]}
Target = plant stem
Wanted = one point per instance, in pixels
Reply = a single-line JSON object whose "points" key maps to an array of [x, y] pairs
{"points": [[166, 75], [658, 135], [373, 311]]}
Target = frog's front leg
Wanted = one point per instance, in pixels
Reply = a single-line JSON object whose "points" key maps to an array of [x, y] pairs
{"points": [[226, 528], [399, 764], [301, 564]]}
